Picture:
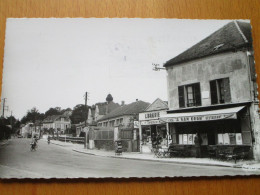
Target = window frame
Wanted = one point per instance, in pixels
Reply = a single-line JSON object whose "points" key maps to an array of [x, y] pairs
{"points": [[183, 95], [221, 92]]}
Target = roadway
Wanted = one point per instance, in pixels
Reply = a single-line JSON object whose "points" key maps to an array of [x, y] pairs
{"points": [[53, 161]]}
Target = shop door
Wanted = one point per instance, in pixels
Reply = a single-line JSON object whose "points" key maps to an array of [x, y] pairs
{"points": [[211, 138]]}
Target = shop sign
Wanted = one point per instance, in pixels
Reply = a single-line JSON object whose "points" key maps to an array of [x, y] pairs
{"points": [[201, 118], [151, 115], [151, 122], [136, 124]]}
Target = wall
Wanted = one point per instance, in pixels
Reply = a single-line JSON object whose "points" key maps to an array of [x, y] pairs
{"points": [[126, 120], [232, 65]]}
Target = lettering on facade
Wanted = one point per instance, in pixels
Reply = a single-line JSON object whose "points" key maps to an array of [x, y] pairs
{"points": [[152, 115], [151, 122], [201, 118]]}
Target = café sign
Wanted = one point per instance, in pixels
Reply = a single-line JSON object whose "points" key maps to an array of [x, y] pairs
{"points": [[200, 118]]}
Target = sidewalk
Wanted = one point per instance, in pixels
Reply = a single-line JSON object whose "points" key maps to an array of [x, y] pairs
{"points": [[249, 165], [4, 142]]}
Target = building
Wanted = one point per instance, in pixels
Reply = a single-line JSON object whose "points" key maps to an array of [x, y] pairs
{"points": [[124, 119], [26, 129], [123, 115], [58, 123], [212, 91], [150, 125], [96, 112]]}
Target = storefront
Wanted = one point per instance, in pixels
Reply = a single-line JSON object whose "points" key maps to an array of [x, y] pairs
{"points": [[217, 128], [152, 130]]}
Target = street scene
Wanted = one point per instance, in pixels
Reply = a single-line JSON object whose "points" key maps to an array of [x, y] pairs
{"points": [[82, 100], [18, 162]]}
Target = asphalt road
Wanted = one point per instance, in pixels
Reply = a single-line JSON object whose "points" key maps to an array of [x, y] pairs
{"points": [[52, 161]]}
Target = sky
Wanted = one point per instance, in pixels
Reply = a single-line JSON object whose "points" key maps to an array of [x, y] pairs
{"points": [[52, 62]]}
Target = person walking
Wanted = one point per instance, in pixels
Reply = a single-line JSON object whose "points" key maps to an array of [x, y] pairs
{"points": [[198, 142]]}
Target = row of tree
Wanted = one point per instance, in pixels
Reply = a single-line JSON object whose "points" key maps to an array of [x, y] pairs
{"points": [[78, 115]]}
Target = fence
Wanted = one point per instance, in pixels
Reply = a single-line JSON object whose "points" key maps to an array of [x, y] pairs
{"points": [[126, 134], [101, 135], [72, 139]]}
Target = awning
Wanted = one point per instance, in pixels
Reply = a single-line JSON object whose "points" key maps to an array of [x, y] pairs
{"points": [[228, 113]]}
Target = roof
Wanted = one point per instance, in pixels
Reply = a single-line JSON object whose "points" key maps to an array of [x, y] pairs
{"points": [[52, 118], [158, 104], [232, 36], [129, 109]]}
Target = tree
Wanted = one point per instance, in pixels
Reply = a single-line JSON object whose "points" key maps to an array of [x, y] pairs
{"points": [[79, 114], [32, 116], [53, 111]]}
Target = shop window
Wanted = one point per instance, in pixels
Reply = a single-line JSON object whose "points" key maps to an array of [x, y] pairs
{"points": [[220, 91], [186, 139], [189, 95], [230, 139]]}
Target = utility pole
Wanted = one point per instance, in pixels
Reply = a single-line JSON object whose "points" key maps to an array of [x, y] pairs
{"points": [[86, 107], [12, 120], [86, 118], [4, 107]]}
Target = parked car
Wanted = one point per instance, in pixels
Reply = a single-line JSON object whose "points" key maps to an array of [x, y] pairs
{"points": [[20, 136]]}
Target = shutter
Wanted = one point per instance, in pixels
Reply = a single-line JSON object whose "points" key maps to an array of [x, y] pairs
{"points": [[252, 67], [227, 94], [181, 96], [197, 94], [213, 92]]}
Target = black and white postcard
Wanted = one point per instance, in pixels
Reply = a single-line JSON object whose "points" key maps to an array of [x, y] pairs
{"points": [[121, 98]]}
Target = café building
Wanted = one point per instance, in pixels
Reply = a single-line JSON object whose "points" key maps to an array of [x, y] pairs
{"points": [[150, 126], [212, 91]]}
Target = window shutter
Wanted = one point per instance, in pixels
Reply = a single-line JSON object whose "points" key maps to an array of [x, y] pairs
{"points": [[181, 96], [227, 94], [252, 67], [213, 92], [197, 94]]}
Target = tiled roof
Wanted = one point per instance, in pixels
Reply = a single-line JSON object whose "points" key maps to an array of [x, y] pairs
{"points": [[158, 104], [129, 109], [49, 119], [232, 36], [52, 118]]}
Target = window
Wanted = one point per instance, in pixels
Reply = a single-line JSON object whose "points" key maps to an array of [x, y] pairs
{"points": [[189, 95], [121, 120], [220, 91], [112, 123]]}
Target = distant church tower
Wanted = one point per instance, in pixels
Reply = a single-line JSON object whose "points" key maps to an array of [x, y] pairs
{"points": [[108, 99]]}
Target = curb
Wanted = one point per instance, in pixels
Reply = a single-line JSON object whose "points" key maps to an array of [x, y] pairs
{"points": [[157, 160], [56, 144], [59, 144]]}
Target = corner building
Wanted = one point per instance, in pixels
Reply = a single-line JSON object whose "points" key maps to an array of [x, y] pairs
{"points": [[212, 91]]}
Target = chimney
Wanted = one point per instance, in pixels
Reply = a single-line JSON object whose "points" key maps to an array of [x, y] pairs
{"points": [[137, 100], [122, 103]]}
